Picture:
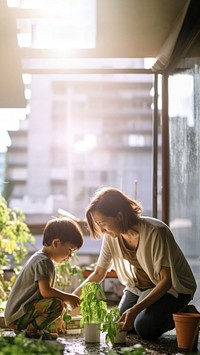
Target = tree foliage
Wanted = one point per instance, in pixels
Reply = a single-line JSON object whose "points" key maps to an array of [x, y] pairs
{"points": [[15, 237]]}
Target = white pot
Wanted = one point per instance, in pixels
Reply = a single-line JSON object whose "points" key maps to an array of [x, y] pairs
{"points": [[120, 337], [92, 332]]}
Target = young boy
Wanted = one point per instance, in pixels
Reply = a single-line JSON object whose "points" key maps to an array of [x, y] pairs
{"points": [[34, 302]]}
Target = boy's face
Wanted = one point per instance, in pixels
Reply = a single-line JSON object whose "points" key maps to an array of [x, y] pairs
{"points": [[62, 252]]}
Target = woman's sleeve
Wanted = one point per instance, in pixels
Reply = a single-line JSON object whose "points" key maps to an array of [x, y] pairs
{"points": [[162, 250], [105, 259]]}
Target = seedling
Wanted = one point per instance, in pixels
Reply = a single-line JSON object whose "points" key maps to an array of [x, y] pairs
{"points": [[136, 349], [22, 345], [110, 325], [67, 318], [93, 307]]}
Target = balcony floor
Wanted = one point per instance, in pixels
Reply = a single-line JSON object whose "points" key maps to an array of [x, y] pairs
{"points": [[74, 344], [167, 344]]}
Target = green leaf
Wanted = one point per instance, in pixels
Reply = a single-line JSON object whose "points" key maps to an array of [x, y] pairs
{"points": [[67, 317]]}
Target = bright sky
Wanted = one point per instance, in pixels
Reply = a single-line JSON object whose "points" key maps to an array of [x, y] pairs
{"points": [[9, 121]]}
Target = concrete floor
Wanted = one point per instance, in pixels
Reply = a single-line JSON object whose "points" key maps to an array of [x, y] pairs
{"points": [[74, 344]]}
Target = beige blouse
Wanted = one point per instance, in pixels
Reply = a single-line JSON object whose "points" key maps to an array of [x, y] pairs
{"points": [[157, 248], [142, 281]]}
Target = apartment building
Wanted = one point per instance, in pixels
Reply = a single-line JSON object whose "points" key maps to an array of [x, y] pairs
{"points": [[83, 132]]}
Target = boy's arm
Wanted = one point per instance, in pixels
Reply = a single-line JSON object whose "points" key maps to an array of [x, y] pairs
{"points": [[47, 291]]}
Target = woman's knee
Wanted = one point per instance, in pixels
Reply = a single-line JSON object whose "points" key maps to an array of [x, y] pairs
{"points": [[147, 327], [128, 300]]}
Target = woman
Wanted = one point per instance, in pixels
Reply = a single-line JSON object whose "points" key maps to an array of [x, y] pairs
{"points": [[157, 277]]}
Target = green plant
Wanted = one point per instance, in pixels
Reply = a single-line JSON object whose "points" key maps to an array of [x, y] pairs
{"points": [[21, 345], [14, 238], [93, 306], [110, 325], [65, 273], [136, 349], [67, 318]]}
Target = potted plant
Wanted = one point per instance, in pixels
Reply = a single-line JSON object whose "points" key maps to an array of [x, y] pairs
{"points": [[93, 310], [112, 328]]}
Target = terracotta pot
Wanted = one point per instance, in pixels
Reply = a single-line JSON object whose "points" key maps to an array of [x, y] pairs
{"points": [[92, 332], [187, 330]]}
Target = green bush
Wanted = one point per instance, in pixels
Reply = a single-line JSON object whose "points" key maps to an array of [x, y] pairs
{"points": [[21, 345], [14, 239], [66, 271]]}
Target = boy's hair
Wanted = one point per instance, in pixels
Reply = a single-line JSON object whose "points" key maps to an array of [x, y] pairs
{"points": [[64, 229]]}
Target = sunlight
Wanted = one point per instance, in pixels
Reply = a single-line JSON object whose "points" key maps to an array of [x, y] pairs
{"points": [[65, 24], [62, 24], [26, 79], [27, 93], [87, 143], [9, 121], [149, 62], [182, 107], [13, 3], [5, 140]]}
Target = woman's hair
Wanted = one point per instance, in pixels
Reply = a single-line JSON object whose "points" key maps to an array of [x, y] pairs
{"points": [[64, 229], [109, 201]]}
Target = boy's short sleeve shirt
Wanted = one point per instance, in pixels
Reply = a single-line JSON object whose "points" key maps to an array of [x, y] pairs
{"points": [[25, 289], [44, 271]]}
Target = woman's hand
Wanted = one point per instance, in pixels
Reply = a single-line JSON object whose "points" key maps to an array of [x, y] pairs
{"points": [[98, 275], [127, 319], [156, 293]]}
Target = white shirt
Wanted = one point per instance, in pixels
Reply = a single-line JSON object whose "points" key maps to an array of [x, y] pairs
{"points": [[157, 247]]}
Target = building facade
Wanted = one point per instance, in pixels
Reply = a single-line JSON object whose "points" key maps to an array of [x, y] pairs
{"points": [[83, 132]]}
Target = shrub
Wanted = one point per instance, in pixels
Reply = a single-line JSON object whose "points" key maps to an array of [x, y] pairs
{"points": [[14, 239]]}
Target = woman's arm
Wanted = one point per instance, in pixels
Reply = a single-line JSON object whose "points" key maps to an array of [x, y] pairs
{"points": [[98, 275], [157, 292]]}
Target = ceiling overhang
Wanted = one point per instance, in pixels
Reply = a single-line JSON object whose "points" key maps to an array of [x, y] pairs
{"points": [[124, 29], [11, 88]]}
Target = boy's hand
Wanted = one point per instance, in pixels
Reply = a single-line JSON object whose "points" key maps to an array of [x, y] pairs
{"points": [[73, 301]]}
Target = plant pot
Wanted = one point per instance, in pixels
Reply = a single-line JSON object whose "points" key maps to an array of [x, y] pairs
{"points": [[120, 337], [92, 332], [187, 330]]}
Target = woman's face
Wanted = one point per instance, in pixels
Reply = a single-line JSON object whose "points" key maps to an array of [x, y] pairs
{"points": [[110, 225]]}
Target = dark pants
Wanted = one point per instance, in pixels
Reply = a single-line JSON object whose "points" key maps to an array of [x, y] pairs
{"points": [[157, 319]]}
